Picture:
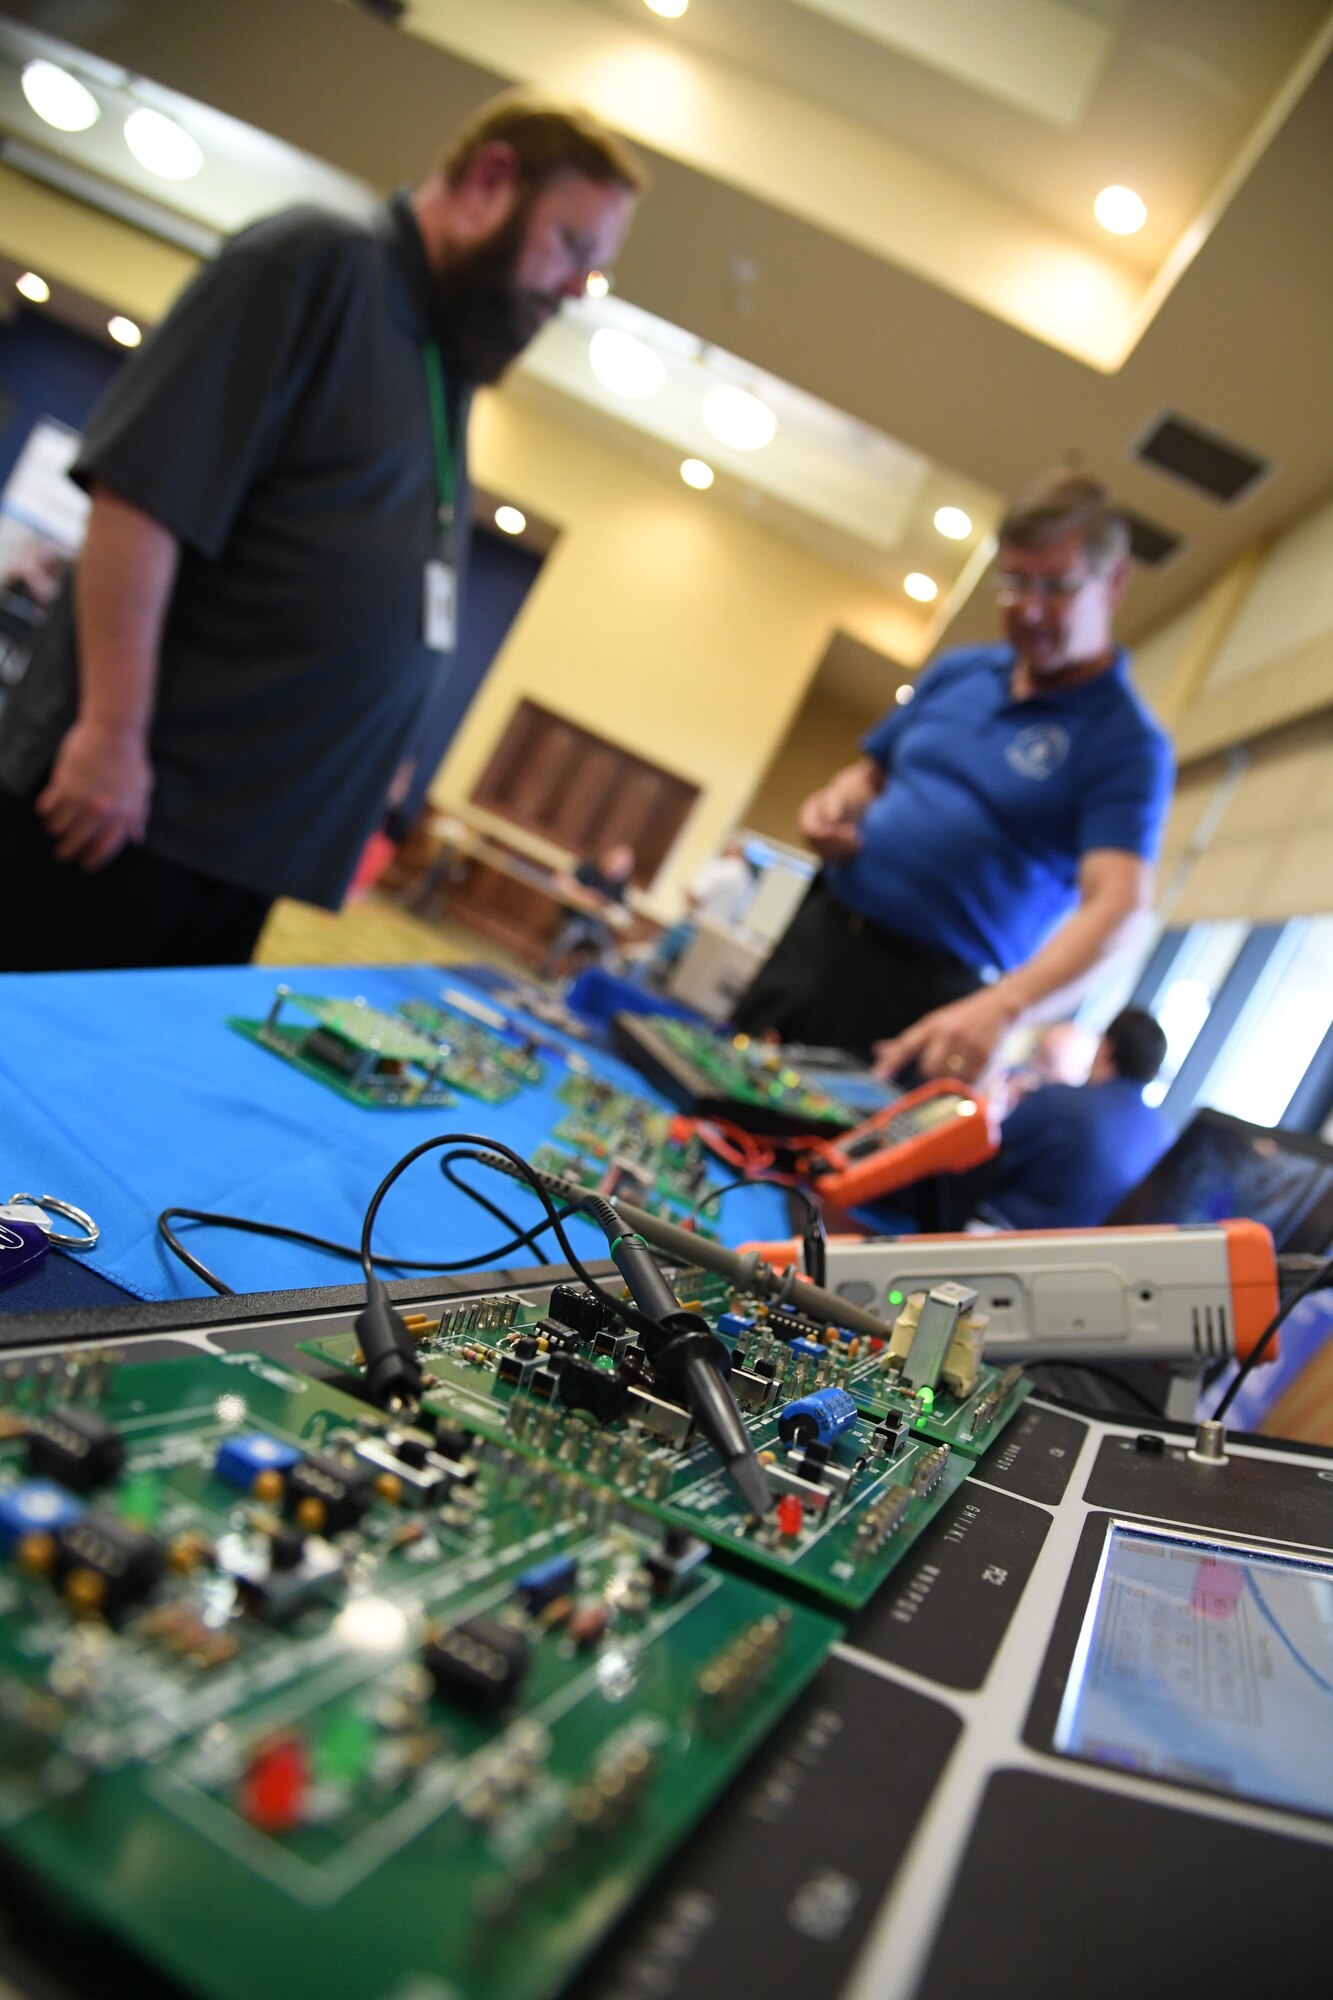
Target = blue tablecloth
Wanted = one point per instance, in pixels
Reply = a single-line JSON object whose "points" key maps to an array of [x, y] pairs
{"points": [[126, 1093]]}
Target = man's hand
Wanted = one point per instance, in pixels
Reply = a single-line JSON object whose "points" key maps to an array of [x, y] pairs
{"points": [[98, 794], [830, 819], [828, 826], [956, 1041]]}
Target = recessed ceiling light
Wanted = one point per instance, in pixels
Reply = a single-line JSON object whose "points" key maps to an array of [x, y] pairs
{"points": [[124, 330], [904, 694], [624, 365], [33, 287], [59, 98], [162, 146], [696, 474], [922, 588], [598, 285], [1120, 210], [737, 418], [953, 522], [670, 10], [510, 521]]}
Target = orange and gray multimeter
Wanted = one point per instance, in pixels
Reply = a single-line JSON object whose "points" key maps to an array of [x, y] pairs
{"points": [[939, 1128]]}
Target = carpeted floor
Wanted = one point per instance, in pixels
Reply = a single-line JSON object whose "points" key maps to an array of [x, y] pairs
{"points": [[373, 930]]}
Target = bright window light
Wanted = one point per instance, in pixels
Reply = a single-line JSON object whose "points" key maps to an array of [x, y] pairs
{"points": [[597, 285], [1280, 1027], [510, 520], [737, 418], [1184, 1000], [695, 473], [953, 523], [162, 146], [922, 588], [670, 10], [624, 365], [124, 330], [59, 98], [1120, 210], [33, 287]]}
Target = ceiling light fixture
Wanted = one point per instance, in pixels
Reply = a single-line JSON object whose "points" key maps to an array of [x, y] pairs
{"points": [[696, 474], [624, 365], [1120, 210], [162, 146], [922, 588], [597, 285], [737, 418], [670, 10], [33, 287], [953, 523], [124, 330], [58, 98], [510, 521]]}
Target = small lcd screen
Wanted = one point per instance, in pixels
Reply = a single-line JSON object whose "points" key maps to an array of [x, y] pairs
{"points": [[904, 1125], [1221, 1166], [1207, 1664]]}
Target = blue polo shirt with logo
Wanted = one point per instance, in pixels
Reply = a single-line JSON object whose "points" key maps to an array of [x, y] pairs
{"points": [[989, 804], [1069, 1154]]}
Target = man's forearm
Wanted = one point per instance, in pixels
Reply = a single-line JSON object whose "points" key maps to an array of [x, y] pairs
{"points": [[121, 591], [1087, 936]]}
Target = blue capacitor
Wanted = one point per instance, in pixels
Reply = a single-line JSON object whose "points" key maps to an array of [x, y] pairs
{"points": [[242, 1458], [38, 1507], [545, 1580], [818, 1418]]}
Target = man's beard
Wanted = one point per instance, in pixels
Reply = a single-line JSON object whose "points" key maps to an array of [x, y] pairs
{"points": [[483, 320]]}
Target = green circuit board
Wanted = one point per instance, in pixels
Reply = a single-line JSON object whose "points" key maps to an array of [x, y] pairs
{"points": [[293, 1697], [512, 1369], [485, 1064], [615, 1143], [376, 1060], [751, 1074], [806, 1357]]}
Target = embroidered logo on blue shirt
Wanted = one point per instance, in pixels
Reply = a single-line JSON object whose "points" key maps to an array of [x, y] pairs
{"points": [[1038, 750]]}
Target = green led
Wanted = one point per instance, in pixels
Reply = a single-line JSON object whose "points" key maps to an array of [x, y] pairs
{"points": [[927, 1398], [895, 1298], [139, 1500], [343, 1746]]}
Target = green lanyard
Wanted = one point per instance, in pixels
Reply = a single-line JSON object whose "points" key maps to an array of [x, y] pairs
{"points": [[439, 424]]}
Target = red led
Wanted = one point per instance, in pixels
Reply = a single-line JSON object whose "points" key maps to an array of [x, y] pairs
{"points": [[789, 1515], [273, 1790], [875, 1343]]}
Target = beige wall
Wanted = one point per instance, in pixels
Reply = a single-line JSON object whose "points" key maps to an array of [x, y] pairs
{"points": [[661, 619], [823, 737], [77, 246], [1250, 664]]}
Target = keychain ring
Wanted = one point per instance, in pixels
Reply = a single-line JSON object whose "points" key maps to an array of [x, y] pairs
{"points": [[65, 1208]]}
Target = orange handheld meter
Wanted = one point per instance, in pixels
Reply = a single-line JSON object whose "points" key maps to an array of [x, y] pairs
{"points": [[938, 1128]]}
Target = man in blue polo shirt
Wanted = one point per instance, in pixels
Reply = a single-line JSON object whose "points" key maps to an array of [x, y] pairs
{"points": [[997, 834], [1070, 1153]]}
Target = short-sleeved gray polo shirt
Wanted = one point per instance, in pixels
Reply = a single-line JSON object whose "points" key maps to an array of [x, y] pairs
{"points": [[278, 423]]}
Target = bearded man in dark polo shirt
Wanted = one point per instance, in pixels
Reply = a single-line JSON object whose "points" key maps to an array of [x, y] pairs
{"points": [[268, 593], [997, 834]]}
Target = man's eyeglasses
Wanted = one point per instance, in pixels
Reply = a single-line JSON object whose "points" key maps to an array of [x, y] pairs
{"points": [[1011, 588]]}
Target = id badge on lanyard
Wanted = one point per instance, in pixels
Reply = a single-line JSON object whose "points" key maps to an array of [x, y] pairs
{"points": [[439, 604], [439, 613]]}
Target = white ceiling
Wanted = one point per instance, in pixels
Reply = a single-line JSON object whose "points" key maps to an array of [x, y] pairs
{"points": [[886, 205]]}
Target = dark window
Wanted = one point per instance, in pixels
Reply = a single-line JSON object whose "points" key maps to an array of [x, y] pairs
{"points": [[581, 791]]}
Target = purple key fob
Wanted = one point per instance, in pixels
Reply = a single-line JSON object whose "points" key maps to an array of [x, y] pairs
{"points": [[22, 1245]]}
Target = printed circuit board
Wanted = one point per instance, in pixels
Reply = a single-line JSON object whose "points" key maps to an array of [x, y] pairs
{"points": [[285, 1683], [859, 1457]]}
